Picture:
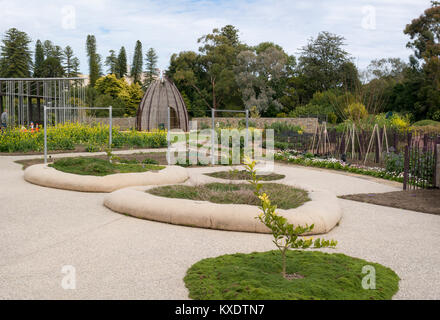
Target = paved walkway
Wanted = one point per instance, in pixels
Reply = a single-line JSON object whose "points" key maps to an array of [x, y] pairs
{"points": [[118, 257]]}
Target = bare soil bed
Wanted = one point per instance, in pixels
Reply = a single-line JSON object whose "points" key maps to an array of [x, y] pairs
{"points": [[426, 201]]}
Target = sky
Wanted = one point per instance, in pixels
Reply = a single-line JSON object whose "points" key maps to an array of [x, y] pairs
{"points": [[372, 29]]}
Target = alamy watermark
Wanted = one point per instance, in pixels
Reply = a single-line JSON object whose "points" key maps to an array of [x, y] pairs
{"points": [[68, 282], [369, 281], [68, 17], [222, 147], [368, 18]]}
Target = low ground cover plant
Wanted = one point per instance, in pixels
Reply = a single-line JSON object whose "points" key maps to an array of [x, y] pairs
{"points": [[393, 168], [286, 197], [100, 167], [256, 276], [244, 175]]}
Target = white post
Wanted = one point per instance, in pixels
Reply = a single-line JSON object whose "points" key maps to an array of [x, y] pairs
{"points": [[110, 138], [213, 137], [247, 129], [45, 134], [168, 134]]}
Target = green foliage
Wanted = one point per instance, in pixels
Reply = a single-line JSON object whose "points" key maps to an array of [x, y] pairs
{"points": [[111, 62], [99, 167], [51, 68], [286, 197], [356, 112], [394, 164], [322, 63], [244, 175], [423, 123], [68, 136], [138, 62], [121, 63], [94, 60], [117, 93], [256, 276], [280, 127], [286, 236], [151, 61], [15, 55], [310, 161], [39, 59]]}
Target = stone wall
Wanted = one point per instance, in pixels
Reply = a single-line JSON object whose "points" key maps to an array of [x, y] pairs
{"points": [[308, 124]]}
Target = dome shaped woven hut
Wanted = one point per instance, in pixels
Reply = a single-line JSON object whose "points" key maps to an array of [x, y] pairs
{"points": [[153, 109]]}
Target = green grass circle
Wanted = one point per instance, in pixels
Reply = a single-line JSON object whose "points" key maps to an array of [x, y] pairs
{"points": [[257, 276]]}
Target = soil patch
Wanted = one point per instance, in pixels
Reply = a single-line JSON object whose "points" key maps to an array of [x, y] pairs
{"points": [[426, 201]]}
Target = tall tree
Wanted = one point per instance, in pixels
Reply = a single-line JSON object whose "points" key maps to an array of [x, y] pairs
{"points": [[151, 59], [94, 67], [321, 63], [111, 61], [39, 59], [138, 62], [121, 65], [68, 61], [52, 68], [75, 67], [15, 55], [218, 58], [256, 75], [425, 40]]}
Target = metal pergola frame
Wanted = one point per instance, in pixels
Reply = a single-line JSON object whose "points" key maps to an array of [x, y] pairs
{"points": [[46, 108], [17, 96]]}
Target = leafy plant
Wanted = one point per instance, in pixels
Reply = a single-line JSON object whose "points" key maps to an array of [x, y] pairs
{"points": [[286, 236]]}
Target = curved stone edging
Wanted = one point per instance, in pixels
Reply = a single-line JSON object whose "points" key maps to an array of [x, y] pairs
{"points": [[323, 211], [45, 176]]}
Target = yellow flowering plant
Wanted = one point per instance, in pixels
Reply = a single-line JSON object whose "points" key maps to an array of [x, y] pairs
{"points": [[286, 235]]}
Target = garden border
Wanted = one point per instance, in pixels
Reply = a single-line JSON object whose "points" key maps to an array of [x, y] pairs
{"points": [[323, 211], [45, 176]]}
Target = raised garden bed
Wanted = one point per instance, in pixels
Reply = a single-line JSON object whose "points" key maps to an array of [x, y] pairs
{"points": [[311, 276], [285, 197]]}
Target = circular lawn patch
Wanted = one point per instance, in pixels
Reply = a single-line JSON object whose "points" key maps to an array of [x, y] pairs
{"points": [[311, 276]]}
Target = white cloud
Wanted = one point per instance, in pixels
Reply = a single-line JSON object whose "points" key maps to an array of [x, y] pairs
{"points": [[171, 26]]}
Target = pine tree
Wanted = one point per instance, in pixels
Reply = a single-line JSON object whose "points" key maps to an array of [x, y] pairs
{"points": [[111, 62], [94, 67], [75, 67], [136, 69], [151, 59], [48, 48], [121, 65], [15, 55], [68, 57], [39, 59]]}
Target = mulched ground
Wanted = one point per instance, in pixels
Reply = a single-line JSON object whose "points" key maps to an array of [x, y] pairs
{"points": [[426, 201]]}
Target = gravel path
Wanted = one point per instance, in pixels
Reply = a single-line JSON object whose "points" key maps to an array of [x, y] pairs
{"points": [[118, 257]]}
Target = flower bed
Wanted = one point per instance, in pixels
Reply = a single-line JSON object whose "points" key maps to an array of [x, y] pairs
{"points": [[292, 156], [70, 135]]}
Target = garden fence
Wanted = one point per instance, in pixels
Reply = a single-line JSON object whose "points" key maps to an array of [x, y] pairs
{"points": [[420, 162], [410, 154]]}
